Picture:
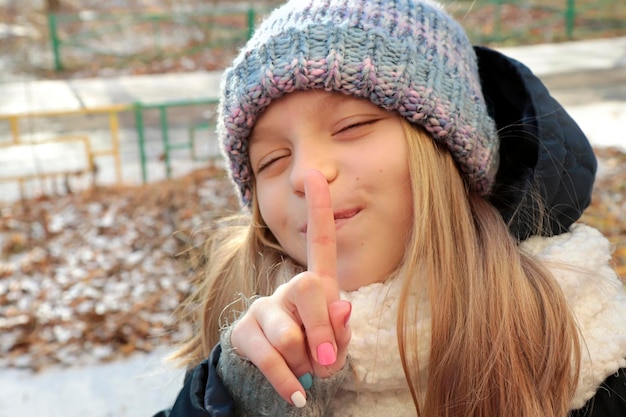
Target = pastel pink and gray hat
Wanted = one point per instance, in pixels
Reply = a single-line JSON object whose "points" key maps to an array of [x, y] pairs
{"points": [[406, 56]]}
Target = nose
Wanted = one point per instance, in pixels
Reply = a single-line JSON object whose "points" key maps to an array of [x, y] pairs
{"points": [[309, 156]]}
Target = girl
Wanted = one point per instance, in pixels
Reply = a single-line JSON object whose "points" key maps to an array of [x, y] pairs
{"points": [[408, 245]]}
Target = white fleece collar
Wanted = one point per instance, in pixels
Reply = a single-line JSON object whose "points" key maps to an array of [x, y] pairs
{"points": [[594, 293], [378, 386]]}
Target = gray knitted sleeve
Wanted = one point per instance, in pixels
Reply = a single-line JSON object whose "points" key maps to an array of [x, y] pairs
{"points": [[256, 397]]}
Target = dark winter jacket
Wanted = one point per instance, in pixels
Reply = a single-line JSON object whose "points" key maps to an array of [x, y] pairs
{"points": [[204, 395], [543, 152]]}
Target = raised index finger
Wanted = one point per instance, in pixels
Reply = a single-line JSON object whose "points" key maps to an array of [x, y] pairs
{"points": [[321, 239]]}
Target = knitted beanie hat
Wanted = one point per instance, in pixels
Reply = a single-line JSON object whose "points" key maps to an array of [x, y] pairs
{"points": [[406, 56]]}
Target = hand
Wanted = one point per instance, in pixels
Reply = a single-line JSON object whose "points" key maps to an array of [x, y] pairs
{"points": [[302, 327]]}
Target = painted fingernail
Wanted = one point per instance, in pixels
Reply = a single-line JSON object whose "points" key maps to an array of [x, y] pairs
{"points": [[306, 381], [326, 354], [298, 399]]}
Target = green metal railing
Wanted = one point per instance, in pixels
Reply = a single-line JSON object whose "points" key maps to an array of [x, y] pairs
{"points": [[114, 113], [533, 21], [84, 35], [100, 36], [164, 124]]}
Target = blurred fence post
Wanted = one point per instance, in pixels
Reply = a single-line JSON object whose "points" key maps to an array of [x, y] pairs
{"points": [[54, 39], [570, 17], [251, 18], [141, 139], [498, 19], [155, 23], [165, 137]]}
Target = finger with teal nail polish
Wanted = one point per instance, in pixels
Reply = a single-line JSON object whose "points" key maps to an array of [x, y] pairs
{"points": [[306, 381]]}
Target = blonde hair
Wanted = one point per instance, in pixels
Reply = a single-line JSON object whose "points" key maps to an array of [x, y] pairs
{"points": [[503, 341], [241, 260]]}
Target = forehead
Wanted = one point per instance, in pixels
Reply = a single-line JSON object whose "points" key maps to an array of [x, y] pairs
{"points": [[310, 101]]}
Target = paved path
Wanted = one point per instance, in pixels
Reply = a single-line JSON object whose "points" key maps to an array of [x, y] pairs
{"points": [[60, 95], [137, 387], [589, 79], [546, 60]]}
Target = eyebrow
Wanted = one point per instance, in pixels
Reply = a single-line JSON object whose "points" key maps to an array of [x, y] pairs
{"points": [[329, 103]]}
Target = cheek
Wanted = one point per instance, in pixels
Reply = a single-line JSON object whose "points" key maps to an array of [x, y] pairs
{"points": [[278, 216], [269, 210], [274, 211], [404, 204], [402, 198]]}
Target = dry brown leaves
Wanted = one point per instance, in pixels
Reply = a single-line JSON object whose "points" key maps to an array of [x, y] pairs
{"points": [[95, 276]]}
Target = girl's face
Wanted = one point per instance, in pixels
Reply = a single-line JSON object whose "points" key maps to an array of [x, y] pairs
{"points": [[361, 150]]}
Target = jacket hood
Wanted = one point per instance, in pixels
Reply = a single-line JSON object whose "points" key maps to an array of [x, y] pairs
{"points": [[543, 152]]}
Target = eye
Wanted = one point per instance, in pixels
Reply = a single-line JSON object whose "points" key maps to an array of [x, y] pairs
{"points": [[352, 126], [269, 160], [355, 125]]}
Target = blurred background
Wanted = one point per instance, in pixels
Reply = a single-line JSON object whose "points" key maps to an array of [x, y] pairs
{"points": [[110, 176]]}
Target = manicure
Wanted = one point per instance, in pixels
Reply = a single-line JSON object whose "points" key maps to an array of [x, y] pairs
{"points": [[298, 399], [306, 381], [326, 354]]}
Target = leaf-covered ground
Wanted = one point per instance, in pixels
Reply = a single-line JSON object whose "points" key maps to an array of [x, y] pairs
{"points": [[95, 276]]}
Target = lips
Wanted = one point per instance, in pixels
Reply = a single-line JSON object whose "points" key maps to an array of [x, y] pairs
{"points": [[340, 217], [346, 214]]}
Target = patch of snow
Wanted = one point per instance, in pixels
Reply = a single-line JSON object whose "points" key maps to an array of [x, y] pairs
{"points": [[139, 386]]}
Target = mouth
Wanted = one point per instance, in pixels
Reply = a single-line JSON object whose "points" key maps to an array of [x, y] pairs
{"points": [[346, 214], [340, 217]]}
